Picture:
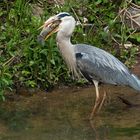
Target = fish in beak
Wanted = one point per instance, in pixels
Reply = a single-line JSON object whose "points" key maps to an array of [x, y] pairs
{"points": [[50, 27]]}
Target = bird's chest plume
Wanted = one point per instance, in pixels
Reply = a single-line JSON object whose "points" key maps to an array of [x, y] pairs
{"points": [[67, 52]]}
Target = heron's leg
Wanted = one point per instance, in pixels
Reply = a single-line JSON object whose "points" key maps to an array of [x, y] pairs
{"points": [[97, 100], [102, 101]]}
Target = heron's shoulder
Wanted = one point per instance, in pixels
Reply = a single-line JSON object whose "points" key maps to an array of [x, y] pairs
{"points": [[84, 48]]}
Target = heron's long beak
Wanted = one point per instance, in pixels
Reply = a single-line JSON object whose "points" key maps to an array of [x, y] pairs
{"points": [[49, 27]]}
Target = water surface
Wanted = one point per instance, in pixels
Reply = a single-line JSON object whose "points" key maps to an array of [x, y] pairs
{"points": [[63, 115]]}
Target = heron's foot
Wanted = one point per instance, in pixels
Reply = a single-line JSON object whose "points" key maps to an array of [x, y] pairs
{"points": [[97, 107]]}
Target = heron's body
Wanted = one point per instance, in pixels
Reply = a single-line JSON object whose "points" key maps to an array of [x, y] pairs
{"points": [[95, 64], [104, 67]]}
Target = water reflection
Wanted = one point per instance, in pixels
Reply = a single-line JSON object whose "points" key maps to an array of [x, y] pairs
{"points": [[63, 115]]}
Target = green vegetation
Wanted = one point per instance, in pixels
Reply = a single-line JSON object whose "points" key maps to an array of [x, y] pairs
{"points": [[24, 62]]}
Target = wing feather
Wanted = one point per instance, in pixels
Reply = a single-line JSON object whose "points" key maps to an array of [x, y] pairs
{"points": [[101, 66]]}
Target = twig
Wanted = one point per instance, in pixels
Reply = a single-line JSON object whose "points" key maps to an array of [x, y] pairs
{"points": [[135, 16], [132, 19], [137, 6], [76, 16], [129, 2], [9, 61], [132, 33], [87, 24], [115, 40], [119, 14]]}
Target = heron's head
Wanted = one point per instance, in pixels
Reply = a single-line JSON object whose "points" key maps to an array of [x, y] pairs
{"points": [[62, 22]]}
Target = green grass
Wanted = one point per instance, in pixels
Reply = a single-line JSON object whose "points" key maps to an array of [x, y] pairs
{"points": [[24, 62]]}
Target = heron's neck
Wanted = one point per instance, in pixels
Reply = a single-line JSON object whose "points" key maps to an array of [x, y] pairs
{"points": [[67, 50]]}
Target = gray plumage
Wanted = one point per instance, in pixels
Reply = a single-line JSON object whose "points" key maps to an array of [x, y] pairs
{"points": [[99, 65]]}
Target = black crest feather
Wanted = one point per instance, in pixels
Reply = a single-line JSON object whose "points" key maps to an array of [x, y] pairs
{"points": [[61, 15]]}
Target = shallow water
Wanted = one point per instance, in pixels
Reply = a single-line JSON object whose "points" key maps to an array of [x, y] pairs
{"points": [[63, 115]]}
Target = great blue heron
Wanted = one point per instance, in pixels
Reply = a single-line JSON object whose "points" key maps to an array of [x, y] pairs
{"points": [[95, 64]]}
